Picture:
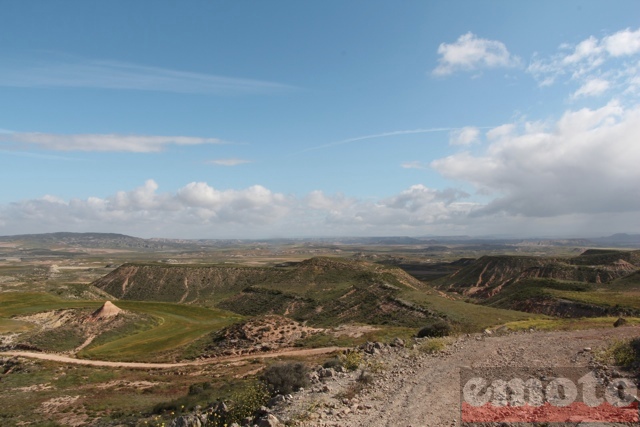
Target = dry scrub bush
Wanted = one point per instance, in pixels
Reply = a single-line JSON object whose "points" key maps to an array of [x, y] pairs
{"points": [[285, 378]]}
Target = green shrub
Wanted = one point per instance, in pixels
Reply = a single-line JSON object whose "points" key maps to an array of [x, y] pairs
{"points": [[284, 378], [334, 362], [352, 360], [244, 402], [198, 388], [624, 353], [433, 345], [439, 328]]}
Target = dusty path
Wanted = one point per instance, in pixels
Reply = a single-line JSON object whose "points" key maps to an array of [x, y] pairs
{"points": [[424, 390], [141, 365]]}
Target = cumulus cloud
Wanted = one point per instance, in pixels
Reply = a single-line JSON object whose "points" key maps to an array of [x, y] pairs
{"points": [[470, 53], [196, 204], [228, 162], [201, 210], [585, 163], [101, 142], [465, 136]]}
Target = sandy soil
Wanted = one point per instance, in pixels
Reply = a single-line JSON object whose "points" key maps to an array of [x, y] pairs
{"points": [[424, 390]]}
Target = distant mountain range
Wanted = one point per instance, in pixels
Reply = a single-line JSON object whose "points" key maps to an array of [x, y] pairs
{"points": [[121, 241]]}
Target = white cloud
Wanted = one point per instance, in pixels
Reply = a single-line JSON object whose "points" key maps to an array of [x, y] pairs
{"points": [[465, 136], [623, 43], [413, 165], [143, 211], [378, 135], [228, 162], [500, 131], [592, 87], [597, 65], [585, 164], [586, 50], [470, 53], [200, 210], [102, 142], [68, 71]]}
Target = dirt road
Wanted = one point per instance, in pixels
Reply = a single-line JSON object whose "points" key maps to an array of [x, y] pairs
{"points": [[424, 390], [142, 365]]}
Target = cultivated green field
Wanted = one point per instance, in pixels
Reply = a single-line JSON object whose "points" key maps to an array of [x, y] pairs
{"points": [[178, 326], [175, 325], [23, 303]]}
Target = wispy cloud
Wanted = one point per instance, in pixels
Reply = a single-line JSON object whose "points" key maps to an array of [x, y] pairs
{"points": [[470, 53], [378, 135], [72, 72], [413, 165], [465, 136], [101, 142], [228, 162], [37, 155], [597, 64]]}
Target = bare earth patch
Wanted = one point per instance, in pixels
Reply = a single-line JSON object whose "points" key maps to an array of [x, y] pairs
{"points": [[418, 389], [353, 331]]}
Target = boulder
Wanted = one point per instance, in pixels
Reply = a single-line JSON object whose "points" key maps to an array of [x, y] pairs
{"points": [[620, 322], [269, 420], [186, 421]]}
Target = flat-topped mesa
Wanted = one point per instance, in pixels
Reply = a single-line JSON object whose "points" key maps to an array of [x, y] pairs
{"points": [[107, 311]]}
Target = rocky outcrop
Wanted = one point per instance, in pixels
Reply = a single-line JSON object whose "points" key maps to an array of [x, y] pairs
{"points": [[259, 334], [486, 276]]}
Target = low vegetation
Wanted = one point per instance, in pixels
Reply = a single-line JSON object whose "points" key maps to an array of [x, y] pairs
{"points": [[285, 378], [432, 345], [161, 333], [185, 311], [436, 329], [624, 353], [566, 324]]}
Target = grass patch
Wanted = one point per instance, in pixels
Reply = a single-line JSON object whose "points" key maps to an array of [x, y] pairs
{"points": [[601, 297], [178, 325], [65, 338], [466, 316], [432, 345], [567, 324], [174, 326], [23, 303], [16, 326], [624, 353]]}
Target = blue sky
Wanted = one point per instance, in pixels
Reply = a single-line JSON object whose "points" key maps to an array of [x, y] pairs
{"points": [[242, 119]]}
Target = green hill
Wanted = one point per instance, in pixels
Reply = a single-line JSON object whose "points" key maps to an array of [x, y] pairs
{"points": [[595, 283], [488, 275], [321, 291]]}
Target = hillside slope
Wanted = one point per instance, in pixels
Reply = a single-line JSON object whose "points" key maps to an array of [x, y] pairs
{"points": [[487, 276], [322, 291], [596, 283]]}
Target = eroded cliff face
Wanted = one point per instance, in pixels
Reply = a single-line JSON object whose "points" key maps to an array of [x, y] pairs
{"points": [[319, 290], [570, 309], [173, 283], [486, 276]]}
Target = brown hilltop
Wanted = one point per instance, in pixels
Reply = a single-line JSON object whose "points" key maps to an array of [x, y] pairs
{"points": [[107, 311]]}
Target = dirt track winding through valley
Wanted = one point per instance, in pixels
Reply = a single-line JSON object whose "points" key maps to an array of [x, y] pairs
{"points": [[425, 390], [143, 365]]}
